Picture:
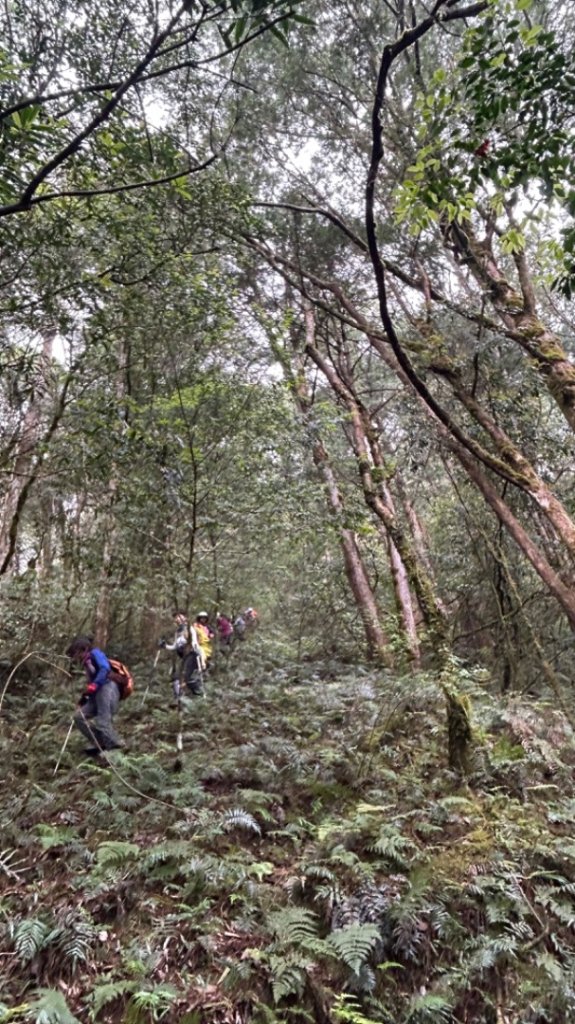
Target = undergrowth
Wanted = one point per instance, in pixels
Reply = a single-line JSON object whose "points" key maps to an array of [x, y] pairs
{"points": [[311, 858]]}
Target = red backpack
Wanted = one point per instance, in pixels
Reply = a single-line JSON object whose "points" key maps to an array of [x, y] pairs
{"points": [[121, 675]]}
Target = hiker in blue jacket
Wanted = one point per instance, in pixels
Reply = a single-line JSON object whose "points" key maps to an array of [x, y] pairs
{"points": [[99, 702]]}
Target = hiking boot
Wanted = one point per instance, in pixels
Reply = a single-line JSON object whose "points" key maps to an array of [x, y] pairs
{"points": [[91, 751]]}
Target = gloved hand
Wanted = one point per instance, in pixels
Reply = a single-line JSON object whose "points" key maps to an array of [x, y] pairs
{"points": [[162, 643], [83, 700]]}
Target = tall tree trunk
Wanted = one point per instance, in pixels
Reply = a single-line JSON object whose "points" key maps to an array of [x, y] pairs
{"points": [[435, 621], [420, 538], [25, 461], [356, 572], [518, 313], [355, 569], [563, 594], [49, 520], [451, 435], [522, 473], [105, 582], [404, 602], [102, 613]]}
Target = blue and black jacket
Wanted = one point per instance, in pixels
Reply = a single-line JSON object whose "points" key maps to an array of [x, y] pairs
{"points": [[97, 668]]}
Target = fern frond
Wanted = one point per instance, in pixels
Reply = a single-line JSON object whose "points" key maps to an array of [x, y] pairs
{"points": [[151, 1003], [101, 995], [428, 1008], [55, 835], [116, 854], [169, 850], [354, 944], [50, 1007], [236, 976], [551, 967], [392, 845], [294, 925], [257, 798], [29, 937], [238, 818], [561, 908], [347, 1011], [75, 940], [287, 978], [491, 951]]}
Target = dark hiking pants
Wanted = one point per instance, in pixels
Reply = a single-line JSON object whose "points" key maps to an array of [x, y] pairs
{"points": [[189, 679], [95, 718]]}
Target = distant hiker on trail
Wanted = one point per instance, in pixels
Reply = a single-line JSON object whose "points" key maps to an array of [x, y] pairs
{"points": [[205, 636], [225, 631], [240, 627], [99, 703], [251, 617], [246, 620], [189, 657]]}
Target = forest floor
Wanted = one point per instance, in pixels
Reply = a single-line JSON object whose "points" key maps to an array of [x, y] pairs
{"points": [[310, 859]]}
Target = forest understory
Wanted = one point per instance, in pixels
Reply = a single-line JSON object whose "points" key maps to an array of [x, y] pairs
{"points": [[310, 858], [286, 321]]}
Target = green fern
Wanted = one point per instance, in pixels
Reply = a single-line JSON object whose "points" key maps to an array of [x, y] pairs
{"points": [[428, 1009], [492, 951], [30, 936], [264, 1015], [287, 978], [50, 1007], [150, 1004], [258, 799], [74, 940], [393, 846], [238, 818], [171, 849], [354, 944], [347, 1010], [101, 995], [51, 836], [294, 926], [561, 908], [236, 977], [116, 854]]}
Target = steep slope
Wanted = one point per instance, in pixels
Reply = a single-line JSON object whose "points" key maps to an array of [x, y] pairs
{"points": [[311, 857]]}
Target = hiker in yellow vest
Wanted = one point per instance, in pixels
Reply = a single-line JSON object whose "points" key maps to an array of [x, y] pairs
{"points": [[205, 635]]}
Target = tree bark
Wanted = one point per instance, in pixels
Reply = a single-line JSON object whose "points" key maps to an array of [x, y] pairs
{"points": [[404, 603], [356, 572], [23, 473], [523, 474], [102, 612], [434, 618], [563, 594], [518, 313]]}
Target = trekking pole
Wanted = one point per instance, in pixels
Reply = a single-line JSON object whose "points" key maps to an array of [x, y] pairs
{"points": [[64, 745], [152, 674]]}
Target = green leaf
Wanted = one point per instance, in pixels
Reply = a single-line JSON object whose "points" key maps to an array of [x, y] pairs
{"points": [[50, 1007], [354, 943], [114, 854]]}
